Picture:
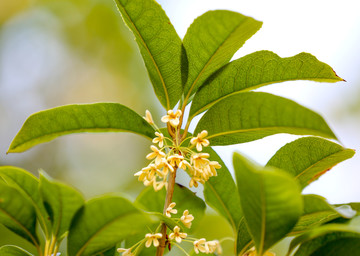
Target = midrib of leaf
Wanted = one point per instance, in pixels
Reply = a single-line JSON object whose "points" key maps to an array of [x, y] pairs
{"points": [[222, 203], [152, 58], [60, 217], [314, 164], [73, 131], [252, 88], [81, 250], [22, 226], [329, 217], [263, 215], [260, 128], [208, 62]]}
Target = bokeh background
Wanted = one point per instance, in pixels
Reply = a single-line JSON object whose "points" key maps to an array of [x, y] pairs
{"points": [[56, 52]]}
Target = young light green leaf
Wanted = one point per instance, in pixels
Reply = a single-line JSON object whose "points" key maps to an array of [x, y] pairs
{"points": [[320, 236], [62, 202], [308, 158], [184, 198], [28, 185], [219, 192], [259, 69], [243, 238], [211, 41], [270, 200], [250, 116], [11, 250], [160, 47], [316, 212], [49, 124], [17, 213], [101, 223]]}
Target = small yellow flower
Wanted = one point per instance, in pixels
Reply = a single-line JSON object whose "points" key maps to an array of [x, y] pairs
{"points": [[172, 118], [185, 165], [157, 154], [170, 210], [177, 235], [194, 181], [175, 160], [199, 160], [201, 246], [187, 218], [166, 166], [213, 165], [148, 117], [199, 140], [152, 238], [125, 252], [159, 139], [214, 246]]}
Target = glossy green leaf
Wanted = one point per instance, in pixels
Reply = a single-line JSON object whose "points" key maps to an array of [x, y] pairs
{"points": [[11, 250], [101, 223], [243, 238], [17, 213], [211, 41], [159, 44], [220, 192], [318, 237], [49, 124], [270, 200], [250, 116], [62, 202], [28, 185], [344, 246], [308, 158], [259, 69], [184, 198], [316, 212]]}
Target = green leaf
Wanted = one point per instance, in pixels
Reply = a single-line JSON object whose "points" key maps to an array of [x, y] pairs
{"points": [[11, 250], [345, 246], [219, 192], [159, 44], [62, 202], [259, 69], [49, 124], [316, 212], [211, 41], [28, 185], [17, 213], [101, 223], [184, 198], [250, 116], [243, 238], [308, 158], [110, 252], [320, 236], [270, 200]]}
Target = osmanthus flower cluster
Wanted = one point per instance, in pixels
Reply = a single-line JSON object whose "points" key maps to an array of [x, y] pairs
{"points": [[173, 153], [175, 237]]}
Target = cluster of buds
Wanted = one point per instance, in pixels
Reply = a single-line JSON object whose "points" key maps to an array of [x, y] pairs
{"points": [[172, 154]]}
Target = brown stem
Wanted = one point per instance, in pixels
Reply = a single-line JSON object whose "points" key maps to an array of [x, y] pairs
{"points": [[168, 199]]}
